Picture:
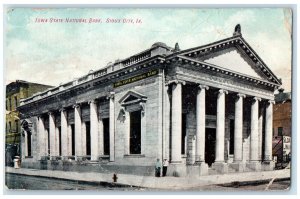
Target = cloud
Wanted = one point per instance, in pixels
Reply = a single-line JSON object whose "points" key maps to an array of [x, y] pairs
{"points": [[55, 53]]}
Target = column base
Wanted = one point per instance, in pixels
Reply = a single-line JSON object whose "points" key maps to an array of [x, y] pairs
{"points": [[220, 167], [95, 158], [268, 166], [238, 166], [176, 170], [65, 158], [254, 166], [198, 169], [55, 157]]}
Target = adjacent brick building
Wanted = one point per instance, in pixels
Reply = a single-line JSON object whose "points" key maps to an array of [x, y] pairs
{"points": [[15, 91], [282, 126]]}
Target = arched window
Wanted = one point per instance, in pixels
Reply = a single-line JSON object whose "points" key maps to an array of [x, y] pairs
{"points": [[26, 128]]}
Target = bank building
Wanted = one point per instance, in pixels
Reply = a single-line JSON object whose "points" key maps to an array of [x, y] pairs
{"points": [[207, 109]]}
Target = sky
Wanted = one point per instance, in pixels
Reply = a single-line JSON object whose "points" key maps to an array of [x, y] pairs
{"points": [[57, 52]]}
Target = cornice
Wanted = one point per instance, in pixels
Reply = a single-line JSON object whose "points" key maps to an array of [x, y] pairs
{"points": [[211, 67], [158, 59]]}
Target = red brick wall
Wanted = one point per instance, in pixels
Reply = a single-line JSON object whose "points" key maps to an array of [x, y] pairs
{"points": [[282, 117]]}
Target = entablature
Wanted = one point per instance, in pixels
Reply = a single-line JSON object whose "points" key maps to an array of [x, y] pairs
{"points": [[106, 81]]}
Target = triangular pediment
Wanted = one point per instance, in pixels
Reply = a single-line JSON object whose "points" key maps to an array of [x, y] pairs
{"points": [[233, 54], [234, 60], [132, 97]]}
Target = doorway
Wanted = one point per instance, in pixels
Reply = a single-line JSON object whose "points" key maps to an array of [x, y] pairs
{"points": [[210, 145]]}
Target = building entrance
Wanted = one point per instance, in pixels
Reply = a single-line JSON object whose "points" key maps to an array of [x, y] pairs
{"points": [[210, 145]]}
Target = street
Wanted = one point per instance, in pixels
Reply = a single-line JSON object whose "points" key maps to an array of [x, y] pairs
{"points": [[23, 182], [275, 186]]}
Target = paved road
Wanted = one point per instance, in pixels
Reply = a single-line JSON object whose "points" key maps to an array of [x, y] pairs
{"points": [[16, 181], [275, 186], [22, 182]]}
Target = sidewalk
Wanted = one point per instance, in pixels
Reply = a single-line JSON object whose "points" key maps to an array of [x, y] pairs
{"points": [[164, 183]]}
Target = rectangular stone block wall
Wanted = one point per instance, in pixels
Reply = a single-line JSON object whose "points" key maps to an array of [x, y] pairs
{"points": [[150, 139]]}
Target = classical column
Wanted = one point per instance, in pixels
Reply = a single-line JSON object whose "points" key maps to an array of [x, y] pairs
{"points": [[78, 126], [52, 132], [238, 128], [254, 130], [64, 132], [220, 134], [94, 130], [42, 137], [101, 136], [112, 126], [260, 130], [176, 122], [126, 115], [200, 124], [268, 132]]}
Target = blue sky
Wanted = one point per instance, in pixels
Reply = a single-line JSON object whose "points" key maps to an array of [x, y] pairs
{"points": [[53, 53]]}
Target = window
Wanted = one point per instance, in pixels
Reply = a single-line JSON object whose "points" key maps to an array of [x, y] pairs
{"points": [[17, 126], [10, 104], [28, 143], [133, 105], [26, 125], [9, 125], [280, 131], [106, 136], [16, 101], [135, 132], [48, 141], [231, 141], [183, 134], [88, 138], [59, 141], [73, 139]]}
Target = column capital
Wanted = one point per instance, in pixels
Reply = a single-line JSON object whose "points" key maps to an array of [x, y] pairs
{"points": [[271, 102], [256, 98], [176, 81], [221, 91], [40, 116], [76, 106], [93, 101], [62, 109], [50, 113], [201, 86], [110, 95], [240, 95]]}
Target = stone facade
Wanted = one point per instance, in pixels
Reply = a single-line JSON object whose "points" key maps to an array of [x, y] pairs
{"points": [[161, 103]]}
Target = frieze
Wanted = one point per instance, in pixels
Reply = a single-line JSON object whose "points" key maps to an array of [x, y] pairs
{"points": [[136, 78]]}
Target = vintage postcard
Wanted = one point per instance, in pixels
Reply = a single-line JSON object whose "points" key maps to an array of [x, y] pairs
{"points": [[148, 99]]}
